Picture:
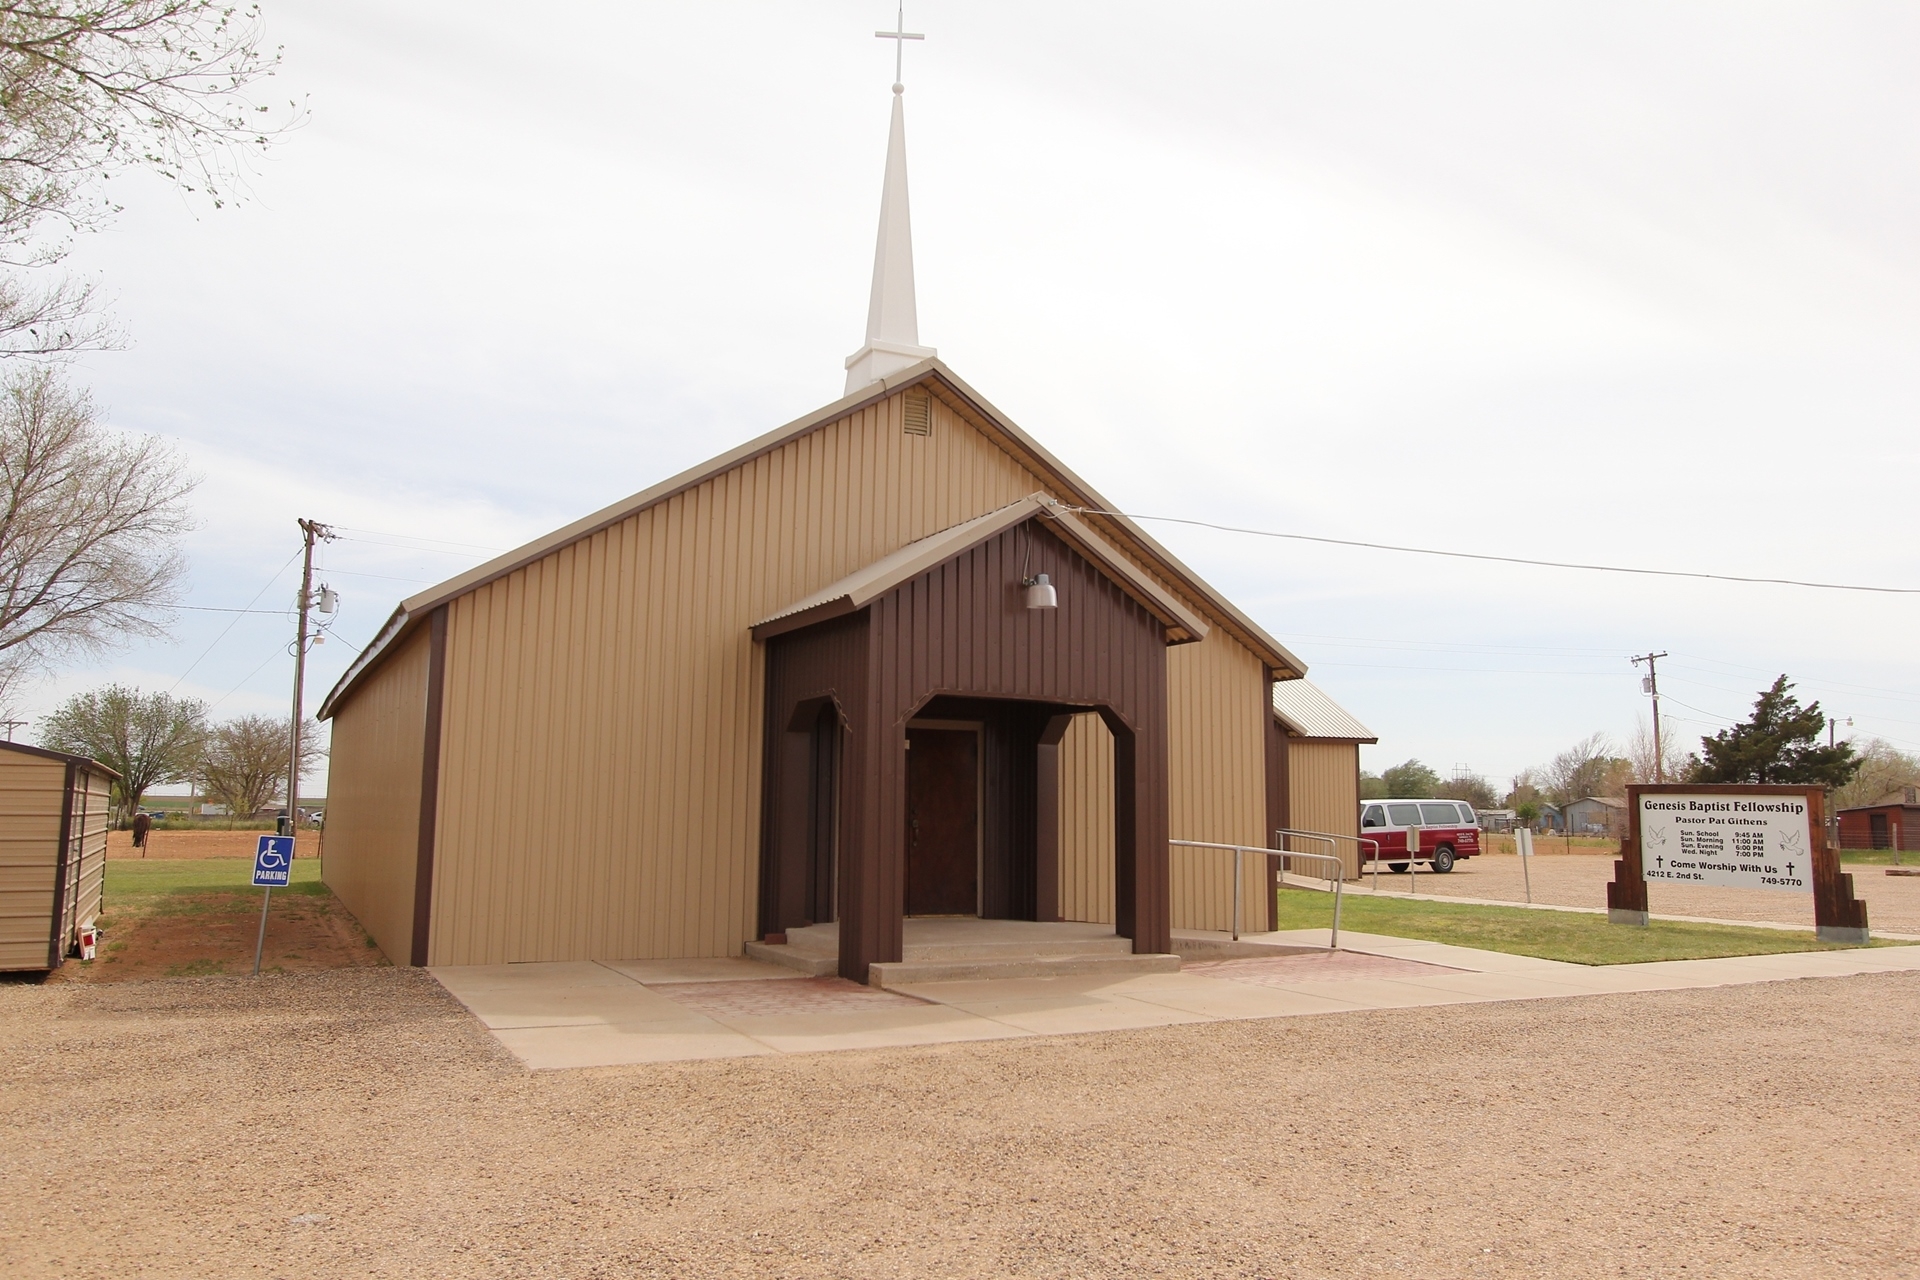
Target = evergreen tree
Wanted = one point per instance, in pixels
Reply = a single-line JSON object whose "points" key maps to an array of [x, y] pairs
{"points": [[1780, 744]]}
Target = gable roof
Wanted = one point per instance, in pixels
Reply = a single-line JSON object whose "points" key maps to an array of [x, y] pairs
{"points": [[1897, 798], [940, 381], [1307, 712], [865, 585], [83, 762]]}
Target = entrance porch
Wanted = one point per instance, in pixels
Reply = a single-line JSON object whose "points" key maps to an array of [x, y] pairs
{"points": [[913, 717], [953, 949]]}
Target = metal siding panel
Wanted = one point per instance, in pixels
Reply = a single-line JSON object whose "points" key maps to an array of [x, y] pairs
{"points": [[31, 795], [373, 801], [1217, 696], [1323, 780], [1086, 809]]}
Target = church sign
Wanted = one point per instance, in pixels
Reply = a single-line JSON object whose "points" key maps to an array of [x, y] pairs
{"points": [[1743, 842], [1734, 836]]}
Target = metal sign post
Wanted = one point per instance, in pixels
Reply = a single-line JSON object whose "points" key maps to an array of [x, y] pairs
{"points": [[272, 869], [1523, 845], [1413, 855]]}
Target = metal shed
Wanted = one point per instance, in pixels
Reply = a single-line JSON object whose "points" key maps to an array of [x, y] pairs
{"points": [[55, 810], [1891, 822], [1321, 765]]}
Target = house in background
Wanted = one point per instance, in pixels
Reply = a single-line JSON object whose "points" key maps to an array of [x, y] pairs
{"points": [[1596, 816], [1891, 822]]}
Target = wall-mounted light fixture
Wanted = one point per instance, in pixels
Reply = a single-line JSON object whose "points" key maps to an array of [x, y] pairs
{"points": [[1040, 593]]}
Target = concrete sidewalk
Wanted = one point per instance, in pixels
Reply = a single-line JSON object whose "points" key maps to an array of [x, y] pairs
{"points": [[1362, 889], [594, 1014]]}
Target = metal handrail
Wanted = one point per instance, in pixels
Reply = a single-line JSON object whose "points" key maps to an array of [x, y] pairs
{"points": [[1240, 850]]}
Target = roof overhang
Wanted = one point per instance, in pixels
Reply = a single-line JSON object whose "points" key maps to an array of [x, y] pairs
{"points": [[862, 587], [1128, 538], [1306, 711], [79, 762]]}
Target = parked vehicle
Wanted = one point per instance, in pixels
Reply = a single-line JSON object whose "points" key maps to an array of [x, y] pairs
{"points": [[1449, 831]]}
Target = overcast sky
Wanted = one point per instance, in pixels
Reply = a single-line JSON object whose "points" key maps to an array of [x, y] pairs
{"points": [[1630, 283]]}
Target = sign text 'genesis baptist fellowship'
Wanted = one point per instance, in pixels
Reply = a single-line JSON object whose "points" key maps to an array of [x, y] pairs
{"points": [[1758, 842]]}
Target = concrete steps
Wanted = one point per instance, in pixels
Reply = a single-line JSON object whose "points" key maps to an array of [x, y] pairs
{"points": [[900, 973], [966, 950]]}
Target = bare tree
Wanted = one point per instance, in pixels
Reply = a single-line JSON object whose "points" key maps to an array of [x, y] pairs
{"points": [[1884, 768], [243, 763], [1641, 757], [148, 739], [1586, 768], [89, 524], [89, 88]]}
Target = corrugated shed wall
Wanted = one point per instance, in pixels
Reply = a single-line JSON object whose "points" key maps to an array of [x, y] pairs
{"points": [[1217, 692], [373, 805], [1326, 795], [1086, 821], [92, 818], [600, 773], [31, 788]]}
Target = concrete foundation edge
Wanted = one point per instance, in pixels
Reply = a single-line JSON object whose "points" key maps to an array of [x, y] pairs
{"points": [[1617, 916], [1838, 933]]}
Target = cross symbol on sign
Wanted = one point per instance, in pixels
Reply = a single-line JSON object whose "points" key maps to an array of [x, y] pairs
{"points": [[1789, 868], [1659, 862], [900, 35]]}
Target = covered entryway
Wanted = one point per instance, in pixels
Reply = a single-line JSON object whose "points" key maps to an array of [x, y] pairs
{"points": [[947, 691]]}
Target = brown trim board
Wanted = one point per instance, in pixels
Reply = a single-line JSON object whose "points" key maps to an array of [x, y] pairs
{"points": [[56, 933], [429, 788], [1279, 798]]}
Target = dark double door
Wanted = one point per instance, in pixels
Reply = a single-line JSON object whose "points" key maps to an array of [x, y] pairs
{"points": [[943, 822]]}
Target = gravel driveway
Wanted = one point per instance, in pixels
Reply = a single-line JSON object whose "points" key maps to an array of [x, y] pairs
{"points": [[1580, 880], [359, 1123]]}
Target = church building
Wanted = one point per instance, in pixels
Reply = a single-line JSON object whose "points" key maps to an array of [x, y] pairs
{"points": [[890, 661]]}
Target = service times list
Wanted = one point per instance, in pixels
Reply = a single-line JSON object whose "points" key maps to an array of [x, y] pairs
{"points": [[1758, 842]]}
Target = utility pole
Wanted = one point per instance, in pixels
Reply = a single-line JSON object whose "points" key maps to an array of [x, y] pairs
{"points": [[1831, 722], [309, 531], [1651, 684], [15, 724]]}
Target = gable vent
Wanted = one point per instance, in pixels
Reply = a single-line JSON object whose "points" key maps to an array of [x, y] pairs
{"points": [[918, 408]]}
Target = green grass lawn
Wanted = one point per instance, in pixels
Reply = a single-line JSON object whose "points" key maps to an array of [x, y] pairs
{"points": [[193, 886], [1879, 857], [1577, 937]]}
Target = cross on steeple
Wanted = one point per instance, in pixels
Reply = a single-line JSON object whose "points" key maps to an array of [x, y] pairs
{"points": [[900, 35]]}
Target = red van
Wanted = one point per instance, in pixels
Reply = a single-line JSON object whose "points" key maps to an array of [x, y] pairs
{"points": [[1448, 831]]}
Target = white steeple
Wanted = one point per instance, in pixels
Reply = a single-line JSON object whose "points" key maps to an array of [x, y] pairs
{"points": [[893, 326]]}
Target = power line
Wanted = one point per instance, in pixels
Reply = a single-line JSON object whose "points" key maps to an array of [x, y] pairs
{"points": [[1478, 671], [384, 533], [236, 622], [1475, 555]]}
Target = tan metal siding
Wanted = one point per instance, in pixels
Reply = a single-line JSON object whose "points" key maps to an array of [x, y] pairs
{"points": [[373, 801], [600, 773], [1325, 794], [92, 819], [1086, 821], [1217, 696], [30, 796]]}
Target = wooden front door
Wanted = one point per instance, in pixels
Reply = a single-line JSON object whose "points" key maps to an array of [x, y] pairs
{"points": [[943, 822]]}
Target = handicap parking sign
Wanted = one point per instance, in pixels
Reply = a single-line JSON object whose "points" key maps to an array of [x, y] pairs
{"points": [[273, 862]]}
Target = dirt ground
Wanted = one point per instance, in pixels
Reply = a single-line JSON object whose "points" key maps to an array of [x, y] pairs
{"points": [[1580, 879], [204, 844], [304, 935], [359, 1123]]}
